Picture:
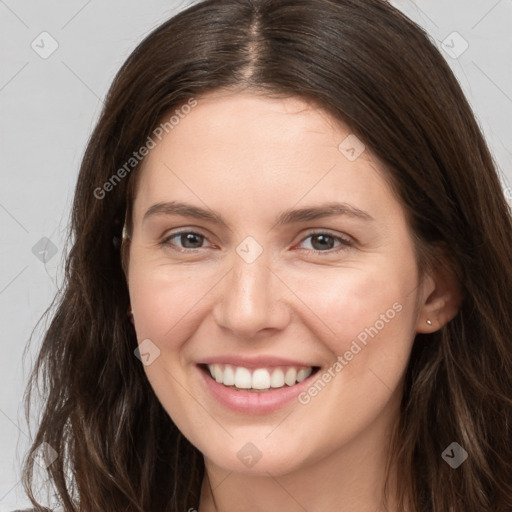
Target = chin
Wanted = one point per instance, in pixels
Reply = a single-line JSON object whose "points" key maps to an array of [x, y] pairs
{"points": [[257, 458]]}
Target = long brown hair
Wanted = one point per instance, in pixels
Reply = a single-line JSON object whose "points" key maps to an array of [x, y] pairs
{"points": [[378, 72]]}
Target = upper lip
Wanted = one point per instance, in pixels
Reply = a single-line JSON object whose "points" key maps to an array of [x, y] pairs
{"points": [[255, 362]]}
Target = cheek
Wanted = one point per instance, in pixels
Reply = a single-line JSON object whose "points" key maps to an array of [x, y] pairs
{"points": [[358, 305], [373, 317], [165, 304], [164, 300]]}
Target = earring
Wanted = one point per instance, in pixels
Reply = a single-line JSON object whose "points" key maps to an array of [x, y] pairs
{"points": [[429, 322], [130, 314]]}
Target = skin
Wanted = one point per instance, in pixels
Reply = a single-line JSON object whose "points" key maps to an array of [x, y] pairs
{"points": [[249, 158]]}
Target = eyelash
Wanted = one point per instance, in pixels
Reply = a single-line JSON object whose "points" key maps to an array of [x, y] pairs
{"points": [[344, 242]]}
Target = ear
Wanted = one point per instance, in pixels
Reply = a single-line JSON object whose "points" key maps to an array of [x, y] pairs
{"points": [[440, 302]]}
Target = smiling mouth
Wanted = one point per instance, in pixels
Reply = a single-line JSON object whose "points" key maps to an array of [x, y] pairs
{"points": [[259, 380]]}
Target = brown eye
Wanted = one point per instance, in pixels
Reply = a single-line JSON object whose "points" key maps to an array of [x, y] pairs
{"points": [[323, 242]]}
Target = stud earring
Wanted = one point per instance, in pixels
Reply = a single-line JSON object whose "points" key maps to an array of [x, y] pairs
{"points": [[429, 322]]}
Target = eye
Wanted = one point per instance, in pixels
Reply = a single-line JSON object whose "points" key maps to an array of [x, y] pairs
{"points": [[190, 240], [323, 242]]}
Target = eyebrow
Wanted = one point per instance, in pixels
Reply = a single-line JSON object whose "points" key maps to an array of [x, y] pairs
{"points": [[289, 216]]}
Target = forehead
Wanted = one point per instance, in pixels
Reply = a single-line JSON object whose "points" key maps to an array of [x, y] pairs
{"points": [[245, 149]]}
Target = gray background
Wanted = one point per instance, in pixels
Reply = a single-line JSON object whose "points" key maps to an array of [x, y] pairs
{"points": [[50, 105]]}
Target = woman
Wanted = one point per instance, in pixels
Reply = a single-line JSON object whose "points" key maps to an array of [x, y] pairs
{"points": [[289, 280]]}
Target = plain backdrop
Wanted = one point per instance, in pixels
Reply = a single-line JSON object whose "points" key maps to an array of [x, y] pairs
{"points": [[58, 59]]}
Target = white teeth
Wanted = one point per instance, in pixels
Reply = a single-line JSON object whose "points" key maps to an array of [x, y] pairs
{"points": [[303, 374], [277, 379], [242, 378], [218, 374], [291, 376], [229, 376], [260, 379]]}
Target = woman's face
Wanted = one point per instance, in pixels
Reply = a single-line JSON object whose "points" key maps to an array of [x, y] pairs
{"points": [[277, 248]]}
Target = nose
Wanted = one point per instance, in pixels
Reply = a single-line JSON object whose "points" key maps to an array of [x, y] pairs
{"points": [[252, 299]]}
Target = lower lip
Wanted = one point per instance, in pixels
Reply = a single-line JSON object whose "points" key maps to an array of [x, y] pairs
{"points": [[253, 402]]}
